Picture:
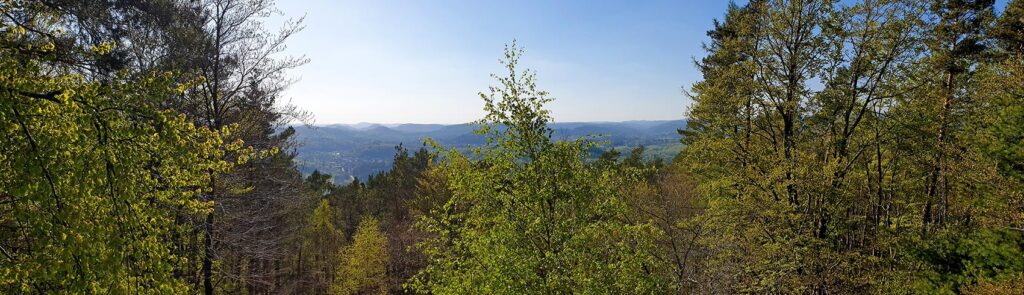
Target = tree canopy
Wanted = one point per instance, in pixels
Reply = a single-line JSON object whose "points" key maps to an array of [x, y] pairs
{"points": [[832, 147]]}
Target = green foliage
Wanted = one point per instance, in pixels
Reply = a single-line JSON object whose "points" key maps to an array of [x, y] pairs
{"points": [[390, 199], [319, 183], [1008, 286], [832, 147], [364, 263], [957, 261], [96, 177], [526, 214], [1009, 28], [320, 241], [1002, 85], [825, 187]]}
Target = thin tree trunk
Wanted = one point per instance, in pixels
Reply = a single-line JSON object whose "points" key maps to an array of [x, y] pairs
{"points": [[208, 256], [939, 159]]}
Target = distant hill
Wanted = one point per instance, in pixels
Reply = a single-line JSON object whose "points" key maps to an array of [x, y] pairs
{"points": [[359, 150]]}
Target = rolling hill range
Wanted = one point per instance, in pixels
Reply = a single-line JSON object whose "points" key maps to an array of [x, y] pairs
{"points": [[347, 151]]}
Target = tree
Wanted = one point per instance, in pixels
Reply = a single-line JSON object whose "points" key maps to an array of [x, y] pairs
{"points": [[242, 75], [96, 174], [1009, 28], [226, 64], [741, 140], [959, 261], [956, 43], [318, 255], [527, 215], [671, 204], [364, 263], [1001, 83], [831, 187]]}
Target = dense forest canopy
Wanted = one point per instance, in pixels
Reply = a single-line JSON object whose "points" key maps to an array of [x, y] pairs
{"points": [[871, 146]]}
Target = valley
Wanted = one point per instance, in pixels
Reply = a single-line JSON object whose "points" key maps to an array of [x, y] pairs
{"points": [[349, 151]]}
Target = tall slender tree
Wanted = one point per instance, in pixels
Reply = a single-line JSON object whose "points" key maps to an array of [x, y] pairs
{"points": [[527, 215]]}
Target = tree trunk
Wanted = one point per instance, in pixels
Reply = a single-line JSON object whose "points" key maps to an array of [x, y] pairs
{"points": [[208, 256], [939, 159]]}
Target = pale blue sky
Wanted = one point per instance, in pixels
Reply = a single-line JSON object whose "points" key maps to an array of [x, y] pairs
{"points": [[420, 61], [424, 61]]}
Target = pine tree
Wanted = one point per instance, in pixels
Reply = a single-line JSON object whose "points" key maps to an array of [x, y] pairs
{"points": [[526, 214]]}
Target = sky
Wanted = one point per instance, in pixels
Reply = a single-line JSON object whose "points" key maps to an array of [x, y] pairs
{"points": [[425, 61], [420, 61]]}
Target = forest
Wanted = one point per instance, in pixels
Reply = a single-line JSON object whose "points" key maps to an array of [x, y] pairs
{"points": [[832, 147]]}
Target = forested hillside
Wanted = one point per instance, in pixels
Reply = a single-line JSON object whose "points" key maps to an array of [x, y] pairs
{"points": [[854, 147], [355, 151]]}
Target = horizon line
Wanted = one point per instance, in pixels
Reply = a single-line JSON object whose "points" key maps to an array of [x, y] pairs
{"points": [[471, 122]]}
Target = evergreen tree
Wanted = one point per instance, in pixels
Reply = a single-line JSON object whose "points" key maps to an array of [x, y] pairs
{"points": [[321, 242], [527, 215], [364, 263]]}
